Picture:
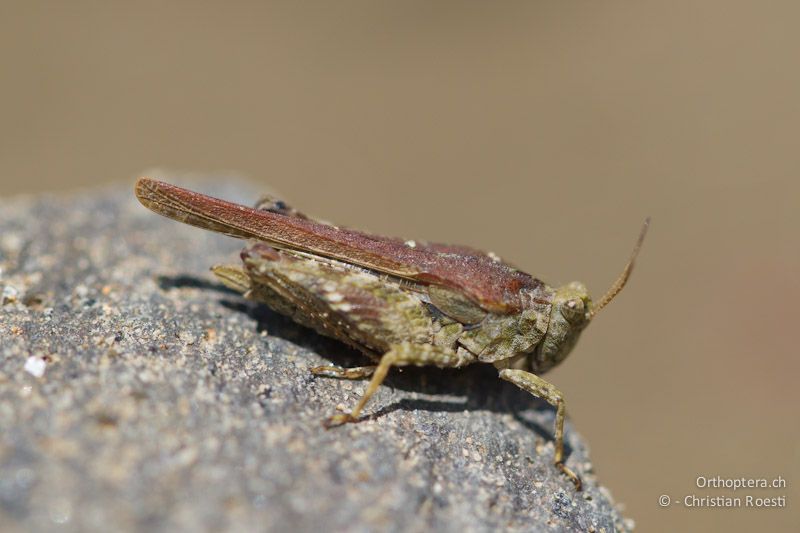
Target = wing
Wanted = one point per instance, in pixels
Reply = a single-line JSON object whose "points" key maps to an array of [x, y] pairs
{"points": [[492, 284]]}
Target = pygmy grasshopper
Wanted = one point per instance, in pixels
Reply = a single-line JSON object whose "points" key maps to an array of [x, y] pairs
{"points": [[399, 302]]}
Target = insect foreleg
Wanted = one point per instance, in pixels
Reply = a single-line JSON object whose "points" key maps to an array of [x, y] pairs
{"points": [[401, 355], [548, 392]]}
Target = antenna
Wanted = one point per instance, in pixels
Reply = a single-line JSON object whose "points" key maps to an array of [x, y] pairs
{"points": [[626, 273]]}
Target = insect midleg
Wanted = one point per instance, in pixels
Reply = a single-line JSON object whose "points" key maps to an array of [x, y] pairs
{"points": [[548, 392], [401, 355]]}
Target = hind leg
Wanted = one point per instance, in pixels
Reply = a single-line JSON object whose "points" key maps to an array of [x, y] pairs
{"points": [[237, 279], [351, 305], [270, 203], [356, 372]]}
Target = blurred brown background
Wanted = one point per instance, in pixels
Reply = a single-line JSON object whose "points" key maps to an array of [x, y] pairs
{"points": [[543, 131]]}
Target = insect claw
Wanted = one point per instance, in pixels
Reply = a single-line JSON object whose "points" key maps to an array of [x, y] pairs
{"points": [[338, 420], [571, 475]]}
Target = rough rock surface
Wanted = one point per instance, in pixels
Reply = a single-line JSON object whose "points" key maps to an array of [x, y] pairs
{"points": [[139, 394]]}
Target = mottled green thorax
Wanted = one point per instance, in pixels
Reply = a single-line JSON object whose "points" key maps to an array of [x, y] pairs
{"points": [[569, 314]]}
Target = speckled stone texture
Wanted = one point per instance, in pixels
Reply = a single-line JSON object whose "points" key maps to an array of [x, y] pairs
{"points": [[136, 393]]}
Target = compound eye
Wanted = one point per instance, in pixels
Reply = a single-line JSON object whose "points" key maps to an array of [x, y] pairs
{"points": [[573, 310]]}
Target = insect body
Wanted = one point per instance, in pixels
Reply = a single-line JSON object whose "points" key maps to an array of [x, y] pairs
{"points": [[398, 302]]}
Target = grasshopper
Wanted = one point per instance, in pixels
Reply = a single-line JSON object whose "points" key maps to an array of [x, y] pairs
{"points": [[399, 302]]}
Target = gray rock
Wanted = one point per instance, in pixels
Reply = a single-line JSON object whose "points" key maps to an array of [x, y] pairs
{"points": [[138, 393]]}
